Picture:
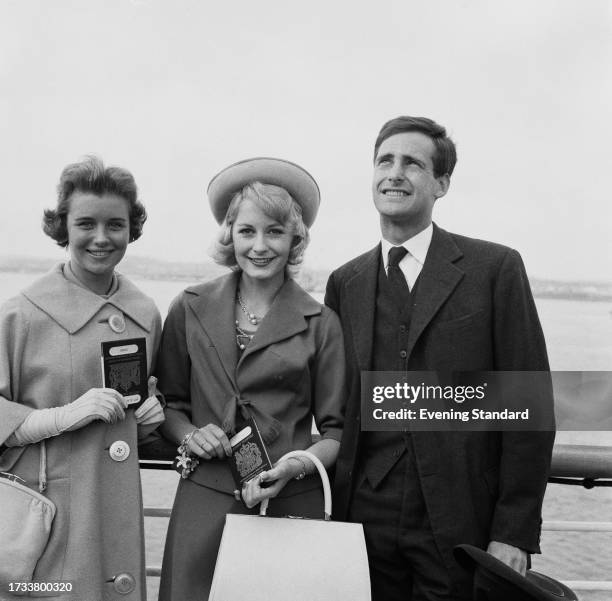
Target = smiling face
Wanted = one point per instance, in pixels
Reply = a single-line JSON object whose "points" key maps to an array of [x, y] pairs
{"points": [[261, 244], [98, 235], [404, 186]]}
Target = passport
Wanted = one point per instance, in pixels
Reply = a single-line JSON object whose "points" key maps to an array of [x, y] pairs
{"points": [[249, 454], [124, 368]]}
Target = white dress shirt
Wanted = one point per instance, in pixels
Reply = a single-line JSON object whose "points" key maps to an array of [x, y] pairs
{"points": [[412, 263]]}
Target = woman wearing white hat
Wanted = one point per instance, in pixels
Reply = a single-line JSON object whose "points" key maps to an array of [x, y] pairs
{"points": [[251, 344]]}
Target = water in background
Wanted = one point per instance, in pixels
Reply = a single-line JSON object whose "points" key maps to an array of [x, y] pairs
{"points": [[578, 333]]}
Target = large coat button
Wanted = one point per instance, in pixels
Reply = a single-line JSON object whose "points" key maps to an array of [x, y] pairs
{"points": [[124, 583], [119, 450], [116, 323]]}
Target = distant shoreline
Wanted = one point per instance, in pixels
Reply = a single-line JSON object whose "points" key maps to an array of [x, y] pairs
{"points": [[596, 298], [313, 280]]}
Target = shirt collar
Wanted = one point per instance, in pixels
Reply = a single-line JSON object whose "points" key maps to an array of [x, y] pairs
{"points": [[417, 246]]}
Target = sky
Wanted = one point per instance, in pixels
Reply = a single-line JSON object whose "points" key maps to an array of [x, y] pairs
{"points": [[176, 91]]}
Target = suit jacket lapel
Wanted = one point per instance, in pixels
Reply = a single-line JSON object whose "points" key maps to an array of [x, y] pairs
{"points": [[437, 281], [361, 299], [215, 313]]}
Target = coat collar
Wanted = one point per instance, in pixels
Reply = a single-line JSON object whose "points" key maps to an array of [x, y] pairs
{"points": [[213, 305], [73, 306], [286, 317]]}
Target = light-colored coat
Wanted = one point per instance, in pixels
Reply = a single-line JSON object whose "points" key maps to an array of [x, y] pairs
{"points": [[50, 339]]}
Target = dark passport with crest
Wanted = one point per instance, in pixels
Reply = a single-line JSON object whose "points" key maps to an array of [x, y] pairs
{"points": [[249, 454], [124, 368]]}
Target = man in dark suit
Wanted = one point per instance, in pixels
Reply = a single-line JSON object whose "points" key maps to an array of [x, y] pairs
{"points": [[446, 303]]}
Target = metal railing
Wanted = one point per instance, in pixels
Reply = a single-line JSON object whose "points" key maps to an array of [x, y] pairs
{"points": [[581, 465]]}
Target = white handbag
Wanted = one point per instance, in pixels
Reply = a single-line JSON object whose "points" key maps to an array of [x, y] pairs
{"points": [[263, 558], [25, 524]]}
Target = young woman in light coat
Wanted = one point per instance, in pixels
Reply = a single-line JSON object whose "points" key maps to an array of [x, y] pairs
{"points": [[51, 389]]}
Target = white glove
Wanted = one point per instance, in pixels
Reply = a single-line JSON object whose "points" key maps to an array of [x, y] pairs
{"points": [[103, 404], [151, 413]]}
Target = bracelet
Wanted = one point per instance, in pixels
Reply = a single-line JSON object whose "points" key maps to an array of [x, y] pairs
{"points": [[302, 474], [186, 462]]}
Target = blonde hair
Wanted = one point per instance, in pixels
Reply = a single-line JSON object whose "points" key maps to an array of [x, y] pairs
{"points": [[277, 204]]}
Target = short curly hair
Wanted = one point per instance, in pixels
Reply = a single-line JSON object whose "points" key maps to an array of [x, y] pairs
{"points": [[90, 175], [277, 204]]}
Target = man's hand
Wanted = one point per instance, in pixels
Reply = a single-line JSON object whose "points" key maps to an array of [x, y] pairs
{"points": [[512, 556]]}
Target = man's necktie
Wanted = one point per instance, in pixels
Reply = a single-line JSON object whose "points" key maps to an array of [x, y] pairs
{"points": [[396, 277]]}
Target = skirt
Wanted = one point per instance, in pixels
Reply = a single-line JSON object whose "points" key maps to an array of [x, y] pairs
{"points": [[195, 529]]}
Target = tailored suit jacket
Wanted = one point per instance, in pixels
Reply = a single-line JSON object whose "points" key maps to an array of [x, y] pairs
{"points": [[292, 370], [473, 311]]}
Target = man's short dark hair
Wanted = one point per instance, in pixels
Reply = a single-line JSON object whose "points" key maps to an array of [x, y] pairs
{"points": [[444, 158]]}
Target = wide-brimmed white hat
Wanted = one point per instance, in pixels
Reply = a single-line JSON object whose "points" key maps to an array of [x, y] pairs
{"points": [[297, 181]]}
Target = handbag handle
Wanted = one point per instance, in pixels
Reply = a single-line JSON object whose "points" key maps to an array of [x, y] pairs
{"points": [[324, 478], [42, 472]]}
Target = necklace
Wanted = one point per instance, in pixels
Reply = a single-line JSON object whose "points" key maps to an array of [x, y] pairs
{"points": [[242, 338], [250, 316]]}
